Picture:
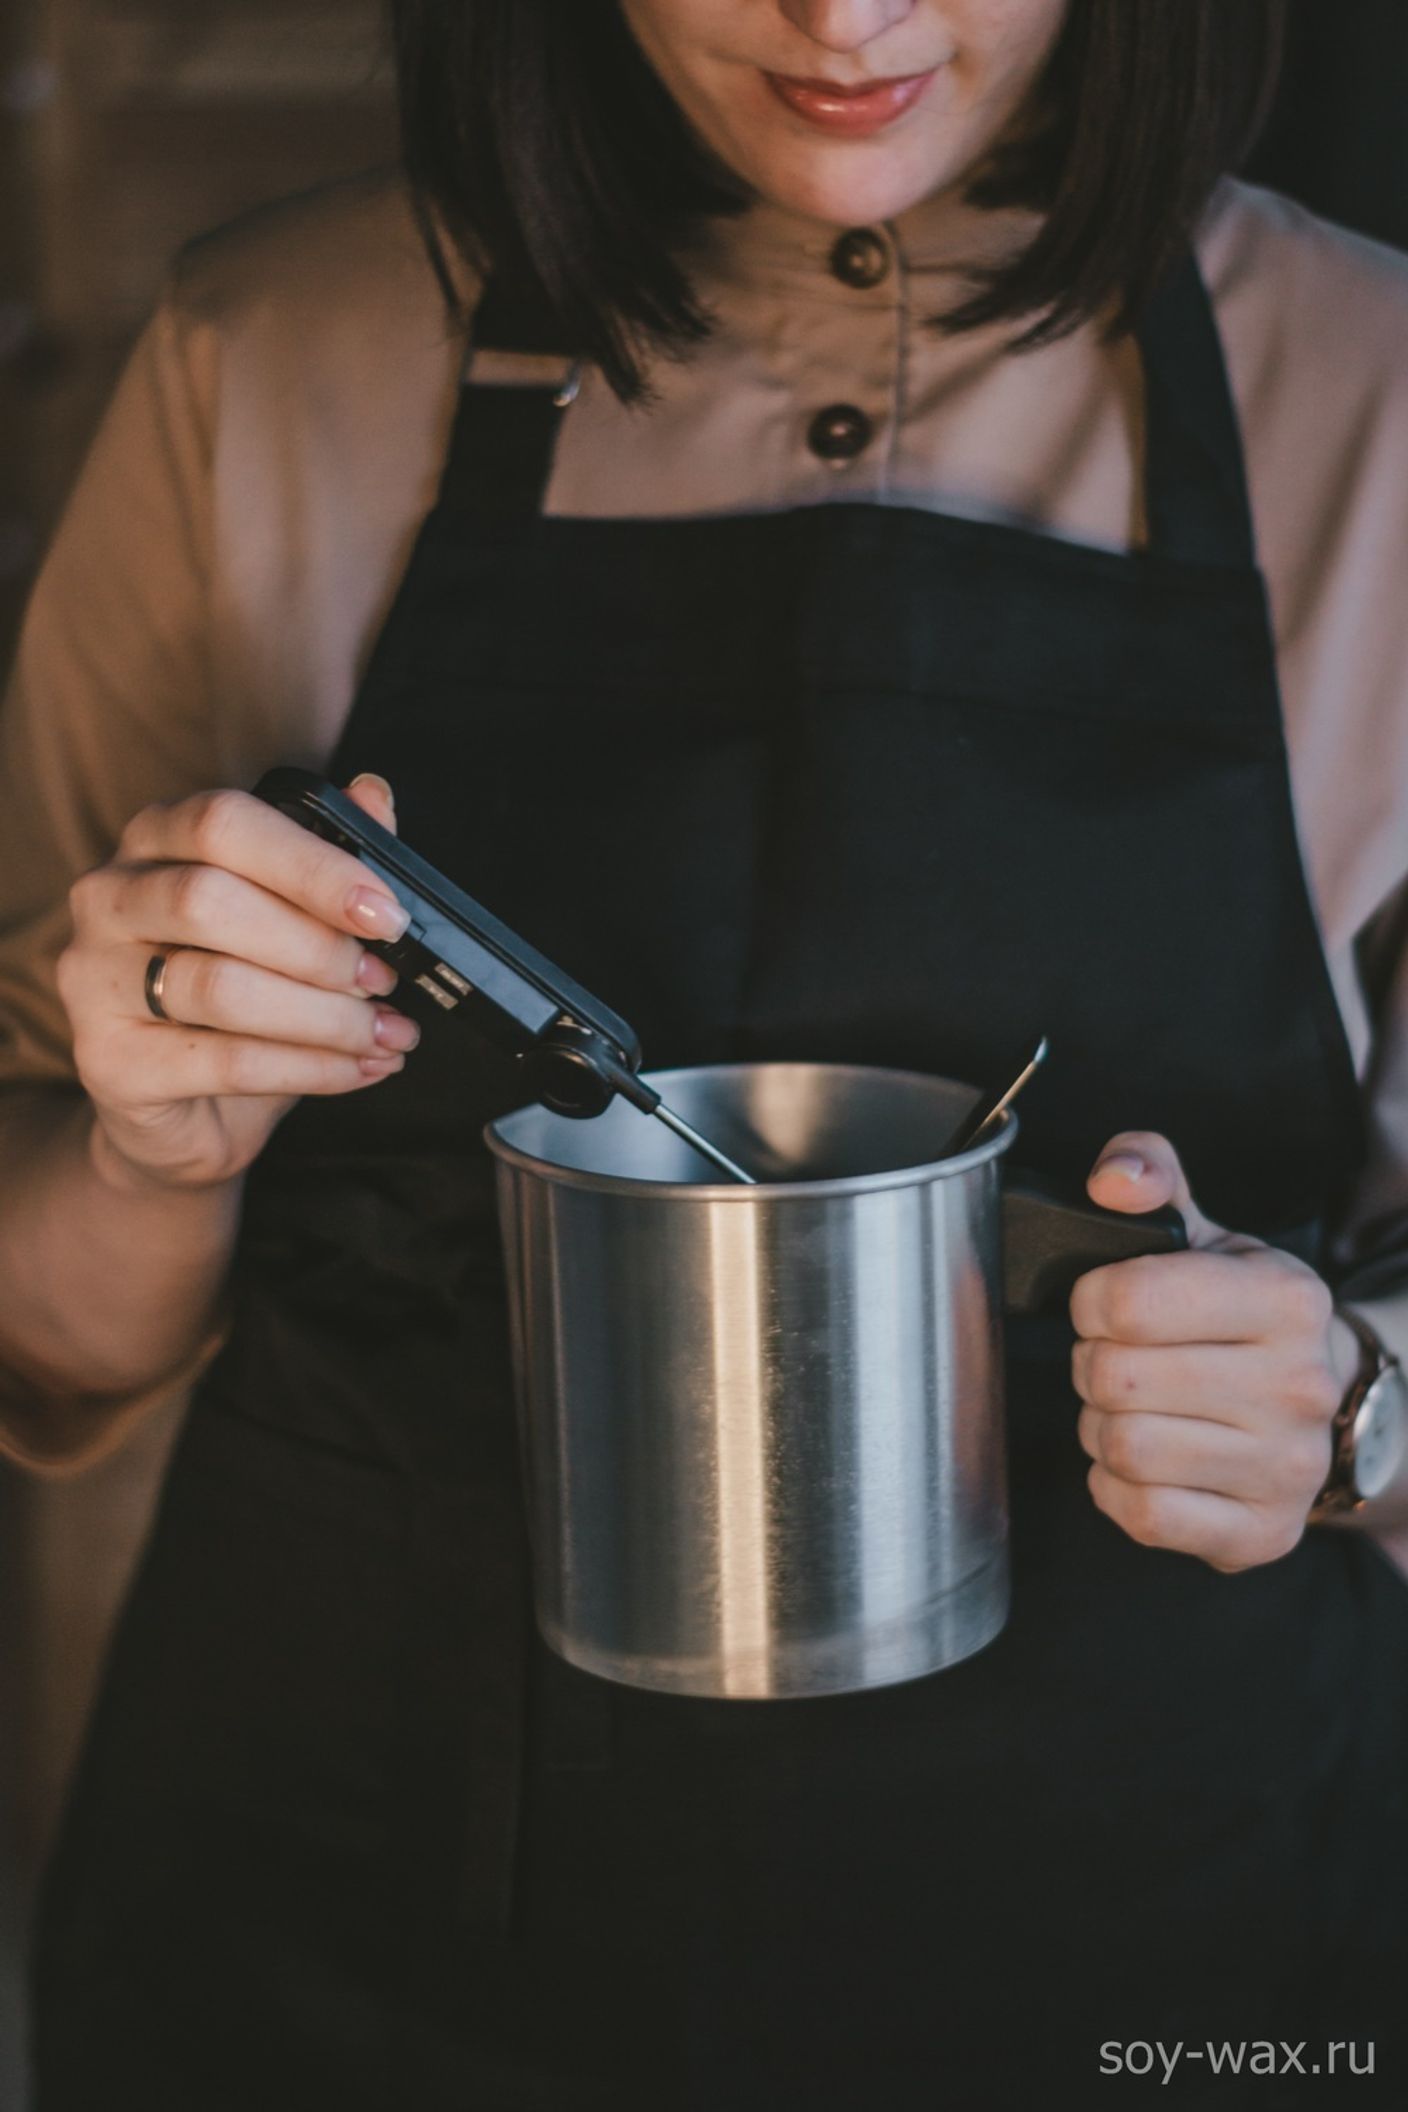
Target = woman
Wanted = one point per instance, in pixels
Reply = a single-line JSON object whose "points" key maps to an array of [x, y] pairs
{"points": [[910, 681]]}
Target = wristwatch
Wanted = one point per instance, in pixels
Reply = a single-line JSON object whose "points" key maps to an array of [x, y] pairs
{"points": [[1370, 1430]]}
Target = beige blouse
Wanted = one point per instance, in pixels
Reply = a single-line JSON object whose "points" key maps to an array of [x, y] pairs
{"points": [[248, 508]]}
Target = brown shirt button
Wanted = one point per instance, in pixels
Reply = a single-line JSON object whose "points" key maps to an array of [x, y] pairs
{"points": [[839, 433], [860, 258]]}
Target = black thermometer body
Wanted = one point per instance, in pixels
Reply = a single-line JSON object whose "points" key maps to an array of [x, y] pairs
{"points": [[576, 1053]]}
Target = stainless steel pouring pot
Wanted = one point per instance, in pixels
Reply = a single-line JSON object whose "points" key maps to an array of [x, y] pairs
{"points": [[762, 1427]]}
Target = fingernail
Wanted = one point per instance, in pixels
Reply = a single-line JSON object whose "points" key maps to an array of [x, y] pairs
{"points": [[394, 1031], [371, 777], [379, 1066], [376, 976], [380, 916], [1124, 1163]]}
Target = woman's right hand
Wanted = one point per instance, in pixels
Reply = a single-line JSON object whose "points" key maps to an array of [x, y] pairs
{"points": [[271, 991]]}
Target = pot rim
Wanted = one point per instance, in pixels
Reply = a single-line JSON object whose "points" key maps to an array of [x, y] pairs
{"points": [[510, 1154]]}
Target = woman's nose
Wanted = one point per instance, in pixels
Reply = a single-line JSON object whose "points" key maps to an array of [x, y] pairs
{"points": [[845, 25]]}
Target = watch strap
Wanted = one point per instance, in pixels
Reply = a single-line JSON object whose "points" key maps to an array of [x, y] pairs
{"points": [[1340, 1493]]}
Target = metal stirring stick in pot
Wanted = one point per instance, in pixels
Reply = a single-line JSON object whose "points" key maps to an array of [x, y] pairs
{"points": [[993, 1105]]}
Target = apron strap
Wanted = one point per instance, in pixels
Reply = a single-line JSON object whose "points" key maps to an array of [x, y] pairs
{"points": [[1199, 506], [505, 433]]}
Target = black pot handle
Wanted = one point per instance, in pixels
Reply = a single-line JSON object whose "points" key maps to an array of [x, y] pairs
{"points": [[1051, 1238]]}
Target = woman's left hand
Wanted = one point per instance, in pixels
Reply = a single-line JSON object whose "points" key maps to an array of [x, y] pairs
{"points": [[1209, 1379]]}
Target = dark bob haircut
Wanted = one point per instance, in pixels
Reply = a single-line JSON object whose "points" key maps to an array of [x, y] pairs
{"points": [[538, 141]]}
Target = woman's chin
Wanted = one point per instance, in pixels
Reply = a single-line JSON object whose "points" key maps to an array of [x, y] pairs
{"points": [[849, 187]]}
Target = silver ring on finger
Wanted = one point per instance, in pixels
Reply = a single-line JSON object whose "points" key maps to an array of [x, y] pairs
{"points": [[154, 987]]}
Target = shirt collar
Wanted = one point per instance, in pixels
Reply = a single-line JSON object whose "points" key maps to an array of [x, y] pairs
{"points": [[770, 249]]}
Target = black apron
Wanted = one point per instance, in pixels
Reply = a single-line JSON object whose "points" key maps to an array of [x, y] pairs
{"points": [[849, 783]]}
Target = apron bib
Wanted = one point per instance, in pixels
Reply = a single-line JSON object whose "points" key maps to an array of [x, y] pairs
{"points": [[851, 783]]}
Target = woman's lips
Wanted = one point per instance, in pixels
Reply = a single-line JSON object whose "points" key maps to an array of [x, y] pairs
{"points": [[850, 111]]}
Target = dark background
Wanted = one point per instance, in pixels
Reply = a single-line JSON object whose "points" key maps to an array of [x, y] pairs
{"points": [[1339, 140], [125, 126]]}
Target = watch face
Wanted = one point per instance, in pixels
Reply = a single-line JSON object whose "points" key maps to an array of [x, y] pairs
{"points": [[1380, 1434]]}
